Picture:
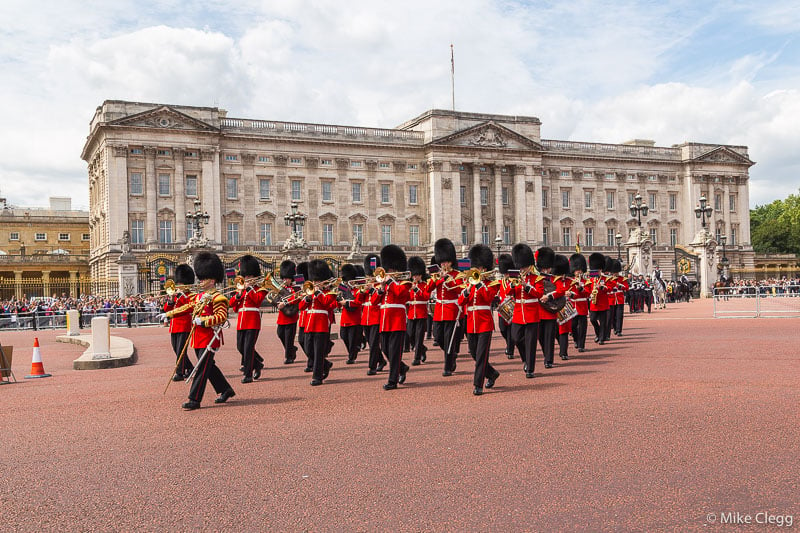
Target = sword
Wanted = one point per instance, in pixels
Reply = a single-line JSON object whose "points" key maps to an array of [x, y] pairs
{"points": [[208, 349]]}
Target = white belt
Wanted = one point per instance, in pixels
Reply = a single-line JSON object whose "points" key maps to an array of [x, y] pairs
{"points": [[417, 302], [366, 304], [446, 301], [317, 311], [527, 301], [393, 306], [479, 308], [580, 300], [254, 309]]}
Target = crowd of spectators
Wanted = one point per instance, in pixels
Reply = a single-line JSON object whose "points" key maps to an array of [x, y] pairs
{"points": [[783, 285]]}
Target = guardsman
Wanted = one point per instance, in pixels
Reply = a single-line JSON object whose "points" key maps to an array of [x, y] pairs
{"points": [[548, 327], [181, 323], [302, 272], [620, 289], [446, 313], [393, 295], [371, 317], [564, 284], [350, 326], [525, 323], [418, 309], [580, 299], [247, 301], [211, 308], [288, 313], [612, 296], [318, 307], [505, 263], [478, 296], [598, 296]]}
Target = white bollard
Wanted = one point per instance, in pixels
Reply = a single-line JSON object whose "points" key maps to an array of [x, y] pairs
{"points": [[101, 338], [73, 323]]}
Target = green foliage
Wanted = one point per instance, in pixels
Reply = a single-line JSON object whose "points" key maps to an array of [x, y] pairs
{"points": [[775, 227]]}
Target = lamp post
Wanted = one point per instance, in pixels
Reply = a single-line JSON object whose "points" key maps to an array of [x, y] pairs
{"points": [[198, 219], [703, 210], [498, 242], [618, 239], [724, 261], [638, 209], [295, 220]]}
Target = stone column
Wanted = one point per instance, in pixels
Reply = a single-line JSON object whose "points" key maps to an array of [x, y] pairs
{"points": [[210, 195], [73, 283], [705, 246], [742, 211], [535, 233], [249, 194], [46, 283], [477, 219], [118, 194], [435, 207], [498, 202], [127, 272], [18, 284], [520, 206], [455, 219], [180, 196], [151, 223]]}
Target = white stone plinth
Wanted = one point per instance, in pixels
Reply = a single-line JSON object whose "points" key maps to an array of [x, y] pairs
{"points": [[101, 338], [73, 322]]}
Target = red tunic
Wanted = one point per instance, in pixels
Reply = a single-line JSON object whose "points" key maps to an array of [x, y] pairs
{"points": [[620, 288], [544, 314], [370, 314], [447, 292], [180, 322], [581, 298], [505, 291], [247, 304], [526, 301], [597, 279], [318, 312], [564, 285], [392, 300], [479, 300], [284, 319], [418, 304], [351, 313], [214, 313]]}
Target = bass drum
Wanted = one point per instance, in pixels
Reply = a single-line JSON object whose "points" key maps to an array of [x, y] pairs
{"points": [[566, 313], [506, 310]]}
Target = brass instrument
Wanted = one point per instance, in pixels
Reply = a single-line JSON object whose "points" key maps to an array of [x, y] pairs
{"points": [[238, 282], [273, 287], [601, 282]]}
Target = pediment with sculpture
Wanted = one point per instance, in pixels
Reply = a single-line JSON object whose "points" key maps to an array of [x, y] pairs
{"points": [[163, 117], [488, 135], [723, 154]]}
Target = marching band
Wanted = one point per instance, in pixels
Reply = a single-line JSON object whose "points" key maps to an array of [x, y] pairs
{"points": [[540, 298]]}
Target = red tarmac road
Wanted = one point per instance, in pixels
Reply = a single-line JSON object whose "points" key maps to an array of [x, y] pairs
{"points": [[683, 418]]}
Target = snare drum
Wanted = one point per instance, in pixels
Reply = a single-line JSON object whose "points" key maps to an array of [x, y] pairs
{"points": [[431, 306], [506, 310], [566, 313]]}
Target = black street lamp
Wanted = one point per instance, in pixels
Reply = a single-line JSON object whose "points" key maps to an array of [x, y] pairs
{"points": [[618, 238], [703, 210], [295, 220], [498, 242], [198, 219], [638, 209], [724, 261]]}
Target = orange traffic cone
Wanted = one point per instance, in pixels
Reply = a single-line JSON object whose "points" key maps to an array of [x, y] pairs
{"points": [[37, 368]]}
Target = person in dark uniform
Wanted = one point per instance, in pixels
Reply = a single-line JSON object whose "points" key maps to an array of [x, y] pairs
{"points": [[302, 270], [318, 307], [418, 309], [288, 313], [246, 302], [526, 293], [580, 299], [350, 328], [505, 263], [370, 318], [181, 323], [392, 295], [446, 314], [598, 297], [548, 328]]}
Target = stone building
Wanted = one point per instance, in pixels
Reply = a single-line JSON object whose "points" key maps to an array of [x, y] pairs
{"points": [[43, 251], [471, 177]]}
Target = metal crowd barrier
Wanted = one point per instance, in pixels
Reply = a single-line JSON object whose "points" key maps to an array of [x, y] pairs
{"points": [[768, 301]]}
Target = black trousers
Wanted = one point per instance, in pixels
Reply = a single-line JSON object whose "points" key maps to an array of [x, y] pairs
{"points": [[430, 326], [417, 329], [505, 331], [579, 325], [618, 315], [351, 336], [286, 333], [563, 344], [610, 320], [207, 371], [525, 338], [479, 344], [548, 329], [373, 339], [598, 320], [443, 331], [392, 344], [179, 340], [318, 346], [246, 344]]}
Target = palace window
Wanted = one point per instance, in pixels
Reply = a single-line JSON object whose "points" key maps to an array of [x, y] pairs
{"points": [[265, 234], [673, 236], [189, 154], [63, 236], [189, 229], [13, 236], [356, 193], [611, 236], [163, 184], [504, 192], [40, 237], [327, 234], [652, 178], [230, 157], [587, 199], [673, 201], [589, 237], [384, 165], [485, 235], [463, 192], [413, 235], [464, 235], [545, 194], [412, 166], [85, 236], [506, 234], [610, 199], [545, 236], [718, 234], [611, 176], [232, 188], [263, 159], [191, 186], [733, 235], [565, 198], [566, 236], [358, 233], [565, 173], [263, 189], [327, 195], [165, 231], [136, 151], [412, 195], [654, 235], [296, 196], [355, 164], [652, 204], [163, 152], [631, 177], [588, 175], [484, 195], [717, 203], [233, 233], [631, 196], [732, 203], [326, 162], [137, 231], [386, 234], [384, 193], [295, 160], [136, 183]]}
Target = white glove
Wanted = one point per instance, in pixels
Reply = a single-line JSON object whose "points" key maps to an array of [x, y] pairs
{"points": [[161, 317], [198, 321]]}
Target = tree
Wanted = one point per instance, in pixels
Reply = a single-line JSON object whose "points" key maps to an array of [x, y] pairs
{"points": [[775, 227]]}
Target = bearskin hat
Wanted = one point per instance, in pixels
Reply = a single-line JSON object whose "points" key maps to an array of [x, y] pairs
{"points": [[207, 265], [560, 265], [302, 269], [597, 261], [416, 265], [249, 267], [505, 263], [368, 259], [522, 255], [444, 250], [319, 270], [288, 270], [545, 257], [481, 256], [609, 264], [184, 275], [616, 266], [577, 262], [360, 271], [348, 272], [394, 258]]}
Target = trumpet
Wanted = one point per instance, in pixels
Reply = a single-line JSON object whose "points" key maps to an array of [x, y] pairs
{"points": [[382, 276]]}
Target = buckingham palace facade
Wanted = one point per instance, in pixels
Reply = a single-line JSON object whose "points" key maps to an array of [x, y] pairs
{"points": [[471, 177]]}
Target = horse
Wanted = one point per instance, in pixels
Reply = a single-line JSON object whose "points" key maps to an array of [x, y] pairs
{"points": [[659, 292]]}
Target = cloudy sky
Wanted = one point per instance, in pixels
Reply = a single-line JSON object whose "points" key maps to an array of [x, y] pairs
{"points": [[672, 71]]}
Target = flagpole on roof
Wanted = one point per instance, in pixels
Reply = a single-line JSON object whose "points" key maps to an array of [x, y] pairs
{"points": [[452, 76]]}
